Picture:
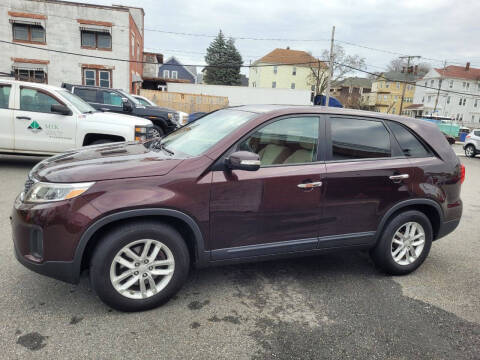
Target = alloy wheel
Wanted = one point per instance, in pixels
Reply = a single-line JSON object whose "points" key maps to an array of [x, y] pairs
{"points": [[469, 151], [142, 269], [407, 243]]}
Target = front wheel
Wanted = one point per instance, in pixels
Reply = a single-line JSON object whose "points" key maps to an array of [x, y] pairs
{"points": [[139, 266], [404, 244], [157, 132], [470, 151]]}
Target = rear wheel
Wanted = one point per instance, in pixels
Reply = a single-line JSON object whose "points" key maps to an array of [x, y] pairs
{"points": [[404, 244], [139, 266], [470, 151]]}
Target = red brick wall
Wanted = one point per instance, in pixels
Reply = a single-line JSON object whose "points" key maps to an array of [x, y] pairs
{"points": [[135, 66]]}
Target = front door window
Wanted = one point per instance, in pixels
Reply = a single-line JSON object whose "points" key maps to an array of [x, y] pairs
{"points": [[286, 141]]}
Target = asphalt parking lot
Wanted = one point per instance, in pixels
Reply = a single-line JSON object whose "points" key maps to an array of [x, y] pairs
{"points": [[335, 305]]}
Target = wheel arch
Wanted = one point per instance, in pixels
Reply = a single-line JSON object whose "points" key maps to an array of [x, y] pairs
{"points": [[429, 207], [182, 222]]}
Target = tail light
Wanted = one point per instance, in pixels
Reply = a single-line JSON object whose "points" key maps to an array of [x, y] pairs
{"points": [[468, 136], [462, 173]]}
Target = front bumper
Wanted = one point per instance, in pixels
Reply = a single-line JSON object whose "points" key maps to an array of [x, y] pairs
{"points": [[46, 236]]}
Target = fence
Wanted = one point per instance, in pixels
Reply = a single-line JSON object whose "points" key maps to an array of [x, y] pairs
{"points": [[188, 103]]}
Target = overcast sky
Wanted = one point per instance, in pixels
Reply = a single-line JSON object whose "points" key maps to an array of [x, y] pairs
{"points": [[438, 29]]}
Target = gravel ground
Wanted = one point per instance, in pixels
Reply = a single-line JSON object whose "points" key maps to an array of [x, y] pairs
{"points": [[335, 305]]}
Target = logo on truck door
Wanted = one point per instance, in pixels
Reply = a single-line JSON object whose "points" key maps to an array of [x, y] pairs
{"points": [[34, 126]]}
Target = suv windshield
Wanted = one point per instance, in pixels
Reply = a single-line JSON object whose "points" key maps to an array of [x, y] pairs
{"points": [[77, 102], [131, 98], [201, 135]]}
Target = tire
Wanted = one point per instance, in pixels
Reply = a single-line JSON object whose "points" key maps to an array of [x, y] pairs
{"points": [[103, 267], [101, 141], [383, 253], [158, 130], [470, 151]]}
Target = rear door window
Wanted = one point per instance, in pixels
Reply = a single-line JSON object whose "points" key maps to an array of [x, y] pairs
{"points": [[476, 133], [89, 95], [410, 145], [4, 96], [354, 139]]}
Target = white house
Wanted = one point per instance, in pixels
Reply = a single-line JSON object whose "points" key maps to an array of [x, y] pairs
{"points": [[458, 98], [33, 26]]}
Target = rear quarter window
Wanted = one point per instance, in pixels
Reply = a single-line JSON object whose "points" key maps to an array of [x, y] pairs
{"points": [[476, 133], [410, 145]]}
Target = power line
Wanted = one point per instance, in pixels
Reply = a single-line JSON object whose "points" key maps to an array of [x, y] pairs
{"points": [[268, 39]]}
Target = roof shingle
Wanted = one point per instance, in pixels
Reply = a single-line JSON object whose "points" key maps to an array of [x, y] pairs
{"points": [[460, 72], [287, 56]]}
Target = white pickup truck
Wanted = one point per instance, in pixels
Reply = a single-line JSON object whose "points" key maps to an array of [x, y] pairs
{"points": [[44, 120]]}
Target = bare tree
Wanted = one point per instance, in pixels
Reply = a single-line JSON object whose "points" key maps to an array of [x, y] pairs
{"points": [[398, 64], [343, 65]]}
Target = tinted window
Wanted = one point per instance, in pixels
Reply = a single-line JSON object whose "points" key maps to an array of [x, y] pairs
{"points": [[111, 98], [86, 94], [286, 141], [359, 139], [33, 100], [409, 144], [4, 96], [476, 133]]}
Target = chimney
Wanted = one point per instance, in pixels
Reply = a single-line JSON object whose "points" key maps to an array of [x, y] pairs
{"points": [[468, 66]]}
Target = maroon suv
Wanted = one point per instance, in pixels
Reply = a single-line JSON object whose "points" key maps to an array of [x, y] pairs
{"points": [[239, 184]]}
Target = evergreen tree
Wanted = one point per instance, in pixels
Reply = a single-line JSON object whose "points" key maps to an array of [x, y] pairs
{"points": [[223, 62]]}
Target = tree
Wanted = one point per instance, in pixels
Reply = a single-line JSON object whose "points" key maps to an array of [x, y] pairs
{"points": [[398, 64], [223, 62], [343, 65]]}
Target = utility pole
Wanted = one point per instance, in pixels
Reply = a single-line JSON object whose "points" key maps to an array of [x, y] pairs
{"points": [[405, 84], [439, 86], [330, 70]]}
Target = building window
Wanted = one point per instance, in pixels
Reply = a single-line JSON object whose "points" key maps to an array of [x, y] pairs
{"points": [[448, 100], [396, 97], [274, 84], [468, 85], [29, 33], [294, 71], [96, 40], [432, 82], [166, 74], [476, 103], [398, 85], [423, 99], [385, 97], [464, 84], [292, 86], [464, 101], [387, 85], [426, 83], [429, 98], [174, 74], [32, 75], [97, 77], [275, 69], [381, 85], [138, 50], [451, 84]]}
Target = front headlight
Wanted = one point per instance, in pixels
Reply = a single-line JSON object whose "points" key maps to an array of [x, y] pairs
{"points": [[143, 132], [45, 192]]}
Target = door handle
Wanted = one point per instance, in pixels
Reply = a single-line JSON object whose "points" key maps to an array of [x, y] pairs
{"points": [[310, 185], [399, 177], [23, 118]]}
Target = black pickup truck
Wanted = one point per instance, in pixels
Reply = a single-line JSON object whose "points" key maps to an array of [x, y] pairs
{"points": [[115, 100]]}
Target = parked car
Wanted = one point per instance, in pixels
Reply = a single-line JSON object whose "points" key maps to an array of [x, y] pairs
{"points": [[181, 117], [450, 139], [42, 119], [472, 143], [138, 216], [119, 101]]}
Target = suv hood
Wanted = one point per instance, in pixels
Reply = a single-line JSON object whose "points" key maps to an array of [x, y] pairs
{"points": [[105, 162], [116, 119]]}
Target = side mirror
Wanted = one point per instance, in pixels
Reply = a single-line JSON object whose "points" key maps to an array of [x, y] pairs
{"points": [[243, 160], [60, 109], [126, 105]]}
